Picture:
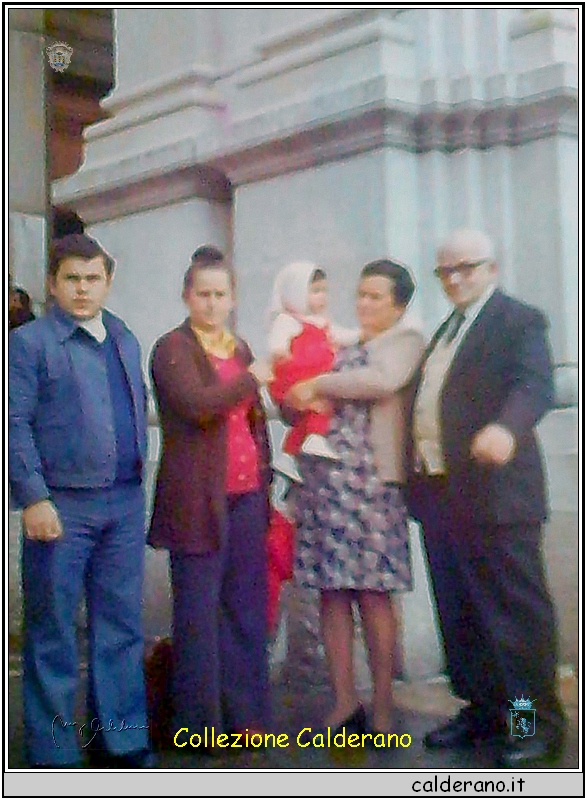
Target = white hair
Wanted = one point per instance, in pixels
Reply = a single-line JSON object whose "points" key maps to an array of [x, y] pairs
{"points": [[476, 244]]}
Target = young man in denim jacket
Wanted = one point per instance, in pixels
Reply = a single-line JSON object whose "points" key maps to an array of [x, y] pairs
{"points": [[77, 444]]}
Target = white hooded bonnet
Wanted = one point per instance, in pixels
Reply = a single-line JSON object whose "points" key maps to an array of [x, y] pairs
{"points": [[290, 290]]}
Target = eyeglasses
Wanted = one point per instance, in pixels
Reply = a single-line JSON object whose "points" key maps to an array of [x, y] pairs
{"points": [[464, 269]]}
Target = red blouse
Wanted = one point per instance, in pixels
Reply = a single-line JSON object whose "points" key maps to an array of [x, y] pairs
{"points": [[242, 468]]}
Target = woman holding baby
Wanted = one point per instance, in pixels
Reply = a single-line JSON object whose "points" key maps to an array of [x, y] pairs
{"points": [[350, 515]]}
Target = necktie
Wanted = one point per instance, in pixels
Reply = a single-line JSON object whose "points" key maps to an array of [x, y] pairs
{"points": [[457, 320]]}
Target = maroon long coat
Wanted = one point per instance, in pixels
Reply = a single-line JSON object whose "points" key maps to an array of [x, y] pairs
{"points": [[190, 499]]}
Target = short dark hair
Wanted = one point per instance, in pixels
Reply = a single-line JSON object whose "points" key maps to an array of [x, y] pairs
{"points": [[23, 295], [401, 280], [205, 257], [318, 275], [64, 222], [77, 245]]}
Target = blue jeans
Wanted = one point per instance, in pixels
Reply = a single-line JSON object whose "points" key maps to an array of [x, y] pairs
{"points": [[102, 550], [220, 626]]}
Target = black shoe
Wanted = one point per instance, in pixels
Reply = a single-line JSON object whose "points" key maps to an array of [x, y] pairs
{"points": [[355, 723], [531, 751], [465, 730]]}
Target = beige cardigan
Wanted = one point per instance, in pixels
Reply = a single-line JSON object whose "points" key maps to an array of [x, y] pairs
{"points": [[393, 358]]}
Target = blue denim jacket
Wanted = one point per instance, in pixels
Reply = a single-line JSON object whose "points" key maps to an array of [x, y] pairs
{"points": [[56, 438]]}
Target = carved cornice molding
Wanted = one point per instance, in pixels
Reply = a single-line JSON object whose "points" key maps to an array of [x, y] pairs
{"points": [[189, 170], [156, 99], [507, 123], [532, 20], [343, 19], [154, 192], [445, 129], [309, 148]]}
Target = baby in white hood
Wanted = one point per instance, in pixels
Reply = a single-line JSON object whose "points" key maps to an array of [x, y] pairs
{"points": [[303, 344]]}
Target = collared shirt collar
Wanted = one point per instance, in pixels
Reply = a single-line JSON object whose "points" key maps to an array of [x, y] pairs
{"points": [[68, 325], [468, 316], [95, 327], [472, 311]]}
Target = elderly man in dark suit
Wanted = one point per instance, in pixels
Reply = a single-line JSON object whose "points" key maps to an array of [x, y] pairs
{"points": [[477, 487]]}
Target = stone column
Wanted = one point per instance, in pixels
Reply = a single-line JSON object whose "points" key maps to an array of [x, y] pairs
{"points": [[27, 199], [544, 56], [27, 192]]}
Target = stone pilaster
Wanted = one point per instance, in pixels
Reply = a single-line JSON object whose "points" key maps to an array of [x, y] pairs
{"points": [[27, 193]]}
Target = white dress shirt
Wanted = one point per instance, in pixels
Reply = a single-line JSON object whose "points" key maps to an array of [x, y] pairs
{"points": [[427, 433]]}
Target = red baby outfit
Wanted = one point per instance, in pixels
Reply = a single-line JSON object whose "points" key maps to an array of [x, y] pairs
{"points": [[242, 470], [311, 354]]}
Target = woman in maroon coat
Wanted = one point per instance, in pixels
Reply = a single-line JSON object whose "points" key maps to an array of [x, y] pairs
{"points": [[211, 510]]}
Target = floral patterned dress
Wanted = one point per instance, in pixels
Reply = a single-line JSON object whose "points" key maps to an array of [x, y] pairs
{"points": [[352, 527]]}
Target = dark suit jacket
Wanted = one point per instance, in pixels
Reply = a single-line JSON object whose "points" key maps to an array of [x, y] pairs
{"points": [[501, 373], [190, 499]]}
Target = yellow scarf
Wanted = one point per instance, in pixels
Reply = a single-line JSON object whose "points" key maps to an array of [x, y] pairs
{"points": [[221, 345]]}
